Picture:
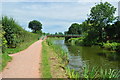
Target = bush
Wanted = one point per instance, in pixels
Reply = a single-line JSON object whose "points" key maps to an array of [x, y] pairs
{"points": [[3, 42], [112, 46], [14, 33]]}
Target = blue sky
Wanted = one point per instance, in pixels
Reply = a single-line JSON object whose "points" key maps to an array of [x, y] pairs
{"points": [[56, 16]]}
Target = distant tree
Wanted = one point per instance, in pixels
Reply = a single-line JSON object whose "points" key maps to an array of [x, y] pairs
{"points": [[35, 25], [65, 32], [60, 33], [74, 29]]}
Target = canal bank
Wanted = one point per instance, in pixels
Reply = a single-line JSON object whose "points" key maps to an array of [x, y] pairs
{"points": [[78, 61], [92, 57], [52, 66]]}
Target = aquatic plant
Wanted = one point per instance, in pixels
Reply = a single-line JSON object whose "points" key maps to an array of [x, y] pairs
{"points": [[109, 73], [58, 49], [72, 73], [96, 72]]}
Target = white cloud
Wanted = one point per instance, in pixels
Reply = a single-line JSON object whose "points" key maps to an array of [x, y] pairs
{"points": [[54, 16]]}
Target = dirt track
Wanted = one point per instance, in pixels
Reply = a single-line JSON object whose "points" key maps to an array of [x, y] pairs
{"points": [[25, 64]]}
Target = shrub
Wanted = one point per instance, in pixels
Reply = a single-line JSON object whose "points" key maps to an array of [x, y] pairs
{"points": [[13, 30], [14, 33], [3, 42], [112, 46]]}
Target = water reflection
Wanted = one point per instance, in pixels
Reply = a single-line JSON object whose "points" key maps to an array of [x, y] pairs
{"points": [[95, 56]]}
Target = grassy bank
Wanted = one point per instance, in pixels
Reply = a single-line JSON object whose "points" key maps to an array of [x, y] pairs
{"points": [[61, 55], [52, 65], [58, 49], [46, 73], [5, 60]]}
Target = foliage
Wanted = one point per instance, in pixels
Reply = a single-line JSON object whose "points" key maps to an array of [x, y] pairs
{"points": [[71, 73], [74, 29], [14, 34], [72, 41], [12, 30], [28, 41], [98, 28], [3, 42], [59, 33], [111, 46], [109, 73], [4, 58], [94, 72], [35, 25], [113, 32], [101, 15]]}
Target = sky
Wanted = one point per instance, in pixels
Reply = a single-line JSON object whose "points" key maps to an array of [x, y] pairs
{"points": [[55, 15]]}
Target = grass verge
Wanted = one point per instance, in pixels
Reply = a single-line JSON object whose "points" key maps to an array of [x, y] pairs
{"points": [[45, 63], [5, 59]]}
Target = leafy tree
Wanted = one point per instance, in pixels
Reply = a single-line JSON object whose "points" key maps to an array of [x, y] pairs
{"points": [[102, 14], [113, 31], [75, 28], [35, 25]]}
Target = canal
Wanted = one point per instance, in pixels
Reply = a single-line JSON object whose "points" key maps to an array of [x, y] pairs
{"points": [[93, 56]]}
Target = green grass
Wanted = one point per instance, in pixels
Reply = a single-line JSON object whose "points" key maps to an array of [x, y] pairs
{"points": [[57, 48], [5, 59], [46, 73]]}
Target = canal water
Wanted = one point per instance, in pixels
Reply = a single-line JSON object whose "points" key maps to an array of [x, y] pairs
{"points": [[92, 56]]}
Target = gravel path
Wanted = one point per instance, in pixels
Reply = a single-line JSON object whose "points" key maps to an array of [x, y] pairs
{"points": [[25, 64]]}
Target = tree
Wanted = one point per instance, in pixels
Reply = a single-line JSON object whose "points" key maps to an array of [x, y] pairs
{"points": [[35, 26], [74, 29], [102, 14], [116, 30]]}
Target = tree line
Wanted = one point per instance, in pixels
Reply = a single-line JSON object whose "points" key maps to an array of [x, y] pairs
{"points": [[100, 28]]}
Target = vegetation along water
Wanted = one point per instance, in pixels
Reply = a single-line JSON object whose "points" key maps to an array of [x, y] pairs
{"points": [[82, 58]]}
